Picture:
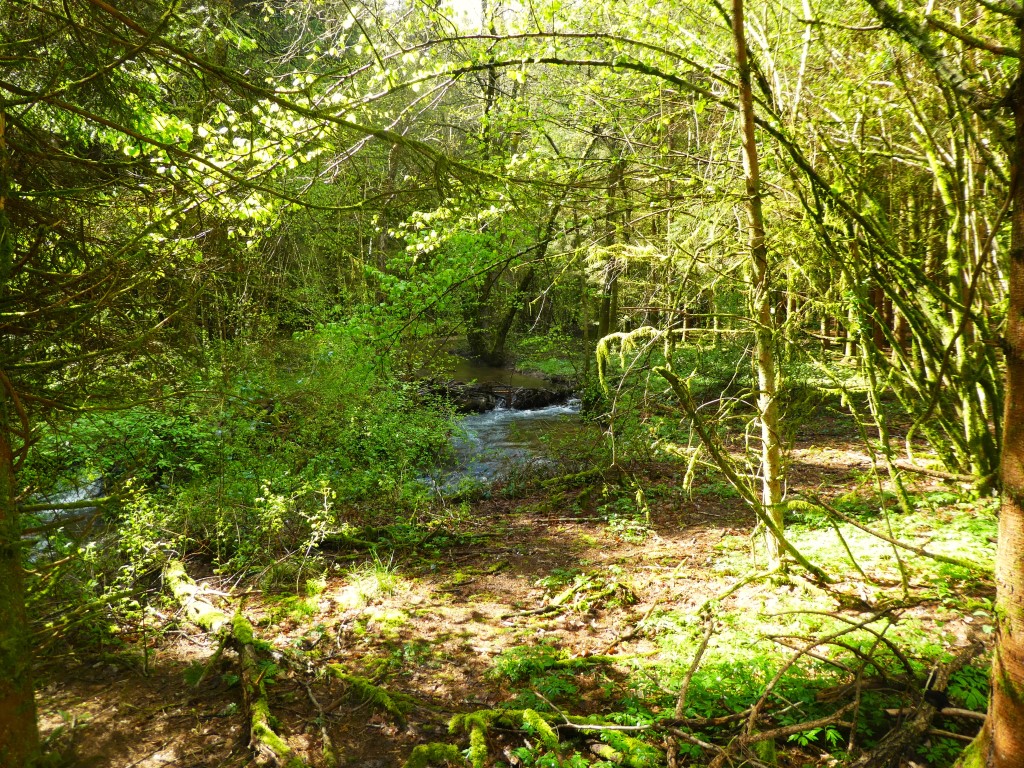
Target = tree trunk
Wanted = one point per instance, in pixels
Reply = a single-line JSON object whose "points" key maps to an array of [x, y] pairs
{"points": [[19, 733], [496, 355], [604, 313], [877, 316], [767, 405], [1006, 711]]}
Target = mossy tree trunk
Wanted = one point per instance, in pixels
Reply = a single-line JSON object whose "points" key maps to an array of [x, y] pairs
{"points": [[761, 299]]}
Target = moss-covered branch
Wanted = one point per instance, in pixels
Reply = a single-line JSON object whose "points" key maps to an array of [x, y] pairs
{"points": [[393, 704], [268, 746]]}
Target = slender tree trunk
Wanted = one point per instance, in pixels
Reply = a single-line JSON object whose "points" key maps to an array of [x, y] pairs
{"points": [[604, 321], [496, 355], [767, 405], [878, 316], [585, 322]]}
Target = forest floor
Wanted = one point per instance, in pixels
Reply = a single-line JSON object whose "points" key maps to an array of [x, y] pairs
{"points": [[447, 625]]}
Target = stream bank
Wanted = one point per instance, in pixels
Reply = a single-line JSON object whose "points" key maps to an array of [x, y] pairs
{"points": [[475, 387]]}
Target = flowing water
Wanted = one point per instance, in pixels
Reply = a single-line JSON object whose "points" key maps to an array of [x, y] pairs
{"points": [[40, 546], [490, 445], [497, 441]]}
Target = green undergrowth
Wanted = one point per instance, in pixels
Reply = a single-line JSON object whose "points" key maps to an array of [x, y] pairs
{"points": [[302, 477], [865, 630], [553, 354], [250, 468]]}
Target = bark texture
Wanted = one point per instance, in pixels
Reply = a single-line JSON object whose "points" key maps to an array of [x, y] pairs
{"points": [[19, 736], [1006, 711]]}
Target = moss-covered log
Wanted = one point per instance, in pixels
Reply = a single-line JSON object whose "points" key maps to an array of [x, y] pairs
{"points": [[435, 754], [198, 610], [394, 704], [269, 748]]}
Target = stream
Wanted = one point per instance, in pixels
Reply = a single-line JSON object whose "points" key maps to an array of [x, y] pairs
{"points": [[496, 442]]}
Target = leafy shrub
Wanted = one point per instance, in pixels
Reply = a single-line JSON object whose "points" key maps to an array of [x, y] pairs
{"points": [[260, 463], [538, 666], [969, 688]]}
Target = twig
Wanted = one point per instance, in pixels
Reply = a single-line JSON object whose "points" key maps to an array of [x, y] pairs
{"points": [[783, 641], [218, 652], [945, 712], [713, 446], [950, 734], [689, 738], [685, 687], [710, 722], [329, 750], [586, 726], [633, 630]]}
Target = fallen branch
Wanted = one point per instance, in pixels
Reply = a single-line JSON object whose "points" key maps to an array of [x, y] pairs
{"points": [[950, 735], [816, 501], [191, 598], [755, 710], [268, 746], [938, 473], [945, 712], [684, 688], [898, 740], [789, 730]]}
